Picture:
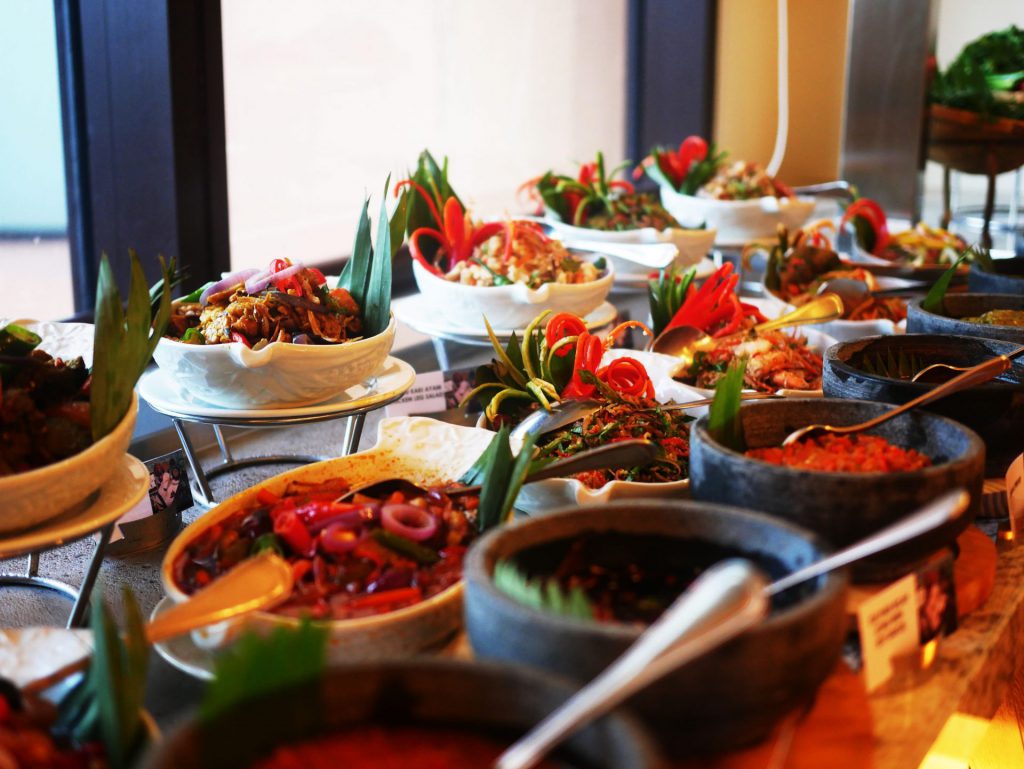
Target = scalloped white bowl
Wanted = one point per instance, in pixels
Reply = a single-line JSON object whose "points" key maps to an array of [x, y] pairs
{"points": [[511, 306], [33, 497], [693, 245], [738, 221], [281, 374], [422, 450]]}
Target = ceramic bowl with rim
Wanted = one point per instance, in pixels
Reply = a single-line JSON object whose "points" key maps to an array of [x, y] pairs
{"points": [[843, 508], [498, 701], [35, 496], [957, 306], [512, 306], [280, 375], [738, 221], [693, 244], [994, 410], [1008, 277], [731, 696], [543, 496], [846, 330], [422, 450]]}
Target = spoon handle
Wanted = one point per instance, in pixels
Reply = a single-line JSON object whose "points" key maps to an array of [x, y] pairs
{"points": [[973, 376], [618, 454], [726, 600], [819, 310], [944, 509]]}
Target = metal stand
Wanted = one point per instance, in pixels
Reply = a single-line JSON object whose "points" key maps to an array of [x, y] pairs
{"points": [[80, 596]]}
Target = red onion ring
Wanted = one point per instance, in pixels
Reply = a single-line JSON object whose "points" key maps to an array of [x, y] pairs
{"points": [[408, 521], [339, 538], [257, 282], [300, 339], [226, 282]]}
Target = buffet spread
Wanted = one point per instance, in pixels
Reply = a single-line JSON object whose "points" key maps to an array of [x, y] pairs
{"points": [[611, 492]]}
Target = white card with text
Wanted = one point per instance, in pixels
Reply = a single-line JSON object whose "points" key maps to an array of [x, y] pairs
{"points": [[888, 625]]}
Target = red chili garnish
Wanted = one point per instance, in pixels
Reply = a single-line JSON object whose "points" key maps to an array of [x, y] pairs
{"points": [[872, 213], [589, 351], [295, 534], [627, 376], [562, 325], [237, 337]]}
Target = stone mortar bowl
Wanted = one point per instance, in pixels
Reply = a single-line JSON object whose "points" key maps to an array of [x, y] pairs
{"points": [[500, 701], [1008, 277], [957, 306], [843, 508], [732, 695], [994, 410]]}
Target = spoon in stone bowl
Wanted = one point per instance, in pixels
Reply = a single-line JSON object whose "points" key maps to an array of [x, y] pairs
{"points": [[729, 598], [950, 367], [975, 375]]}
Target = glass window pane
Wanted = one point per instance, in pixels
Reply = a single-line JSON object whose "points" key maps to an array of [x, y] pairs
{"points": [[35, 262], [326, 98]]}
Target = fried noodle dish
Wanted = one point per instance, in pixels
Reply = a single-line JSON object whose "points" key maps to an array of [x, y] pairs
{"points": [[775, 360], [285, 303]]}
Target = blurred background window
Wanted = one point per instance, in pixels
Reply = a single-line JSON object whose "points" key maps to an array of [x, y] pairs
{"points": [[323, 100], [35, 261]]}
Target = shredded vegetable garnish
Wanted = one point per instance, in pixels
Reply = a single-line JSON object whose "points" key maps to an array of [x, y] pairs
{"points": [[632, 418]]}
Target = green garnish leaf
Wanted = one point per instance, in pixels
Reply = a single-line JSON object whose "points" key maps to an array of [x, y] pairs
{"points": [[256, 665], [501, 475], [194, 296], [405, 546], [367, 274], [935, 299], [193, 336], [724, 423], [543, 594], [123, 341], [667, 294], [265, 542]]}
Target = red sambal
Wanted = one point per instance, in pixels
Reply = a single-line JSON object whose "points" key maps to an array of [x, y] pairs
{"points": [[857, 453], [391, 747], [349, 559]]}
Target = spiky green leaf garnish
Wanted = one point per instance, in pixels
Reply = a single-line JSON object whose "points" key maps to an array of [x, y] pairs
{"points": [[501, 474], [256, 665], [724, 423], [667, 294], [544, 594], [124, 340], [935, 299]]}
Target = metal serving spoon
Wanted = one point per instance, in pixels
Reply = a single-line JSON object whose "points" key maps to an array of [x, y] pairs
{"points": [[684, 342], [611, 456], [653, 256], [853, 292], [975, 375], [566, 412], [937, 366], [726, 600], [257, 583]]}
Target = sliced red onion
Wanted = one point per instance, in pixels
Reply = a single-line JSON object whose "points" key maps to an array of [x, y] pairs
{"points": [[339, 538], [257, 282], [287, 272], [227, 282], [300, 339], [409, 521], [351, 519]]}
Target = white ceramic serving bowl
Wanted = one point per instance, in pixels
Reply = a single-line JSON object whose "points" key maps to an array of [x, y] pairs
{"points": [[33, 497], [548, 495], [738, 221], [511, 306], [846, 330], [422, 450], [281, 374], [693, 245]]}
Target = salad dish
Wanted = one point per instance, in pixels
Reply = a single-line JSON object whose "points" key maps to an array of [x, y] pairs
{"points": [[505, 271], [738, 199], [559, 360], [536, 593], [841, 506], [405, 587], [596, 206]]}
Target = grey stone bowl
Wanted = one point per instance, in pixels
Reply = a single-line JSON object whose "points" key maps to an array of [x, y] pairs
{"points": [[1008, 277], [731, 696], [956, 306], [843, 507], [994, 410], [501, 701]]}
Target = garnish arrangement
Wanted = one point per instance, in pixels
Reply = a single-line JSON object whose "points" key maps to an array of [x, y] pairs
{"points": [[597, 200], [921, 246]]}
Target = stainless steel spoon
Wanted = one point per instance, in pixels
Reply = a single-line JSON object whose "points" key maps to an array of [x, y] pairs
{"points": [[611, 456], [973, 376], [726, 600], [566, 412], [853, 292], [950, 367], [684, 342]]}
